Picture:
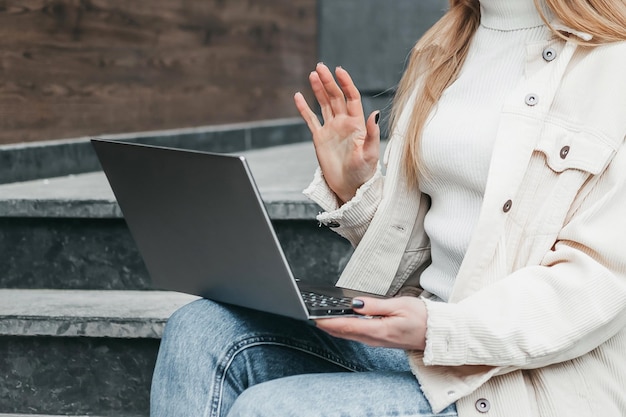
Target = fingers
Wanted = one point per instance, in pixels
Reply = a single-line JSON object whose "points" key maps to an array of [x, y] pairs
{"points": [[321, 95], [352, 328], [371, 147], [395, 322], [336, 98], [354, 107], [307, 114], [377, 306]]}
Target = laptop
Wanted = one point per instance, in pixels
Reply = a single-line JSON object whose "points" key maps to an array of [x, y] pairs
{"points": [[201, 228]]}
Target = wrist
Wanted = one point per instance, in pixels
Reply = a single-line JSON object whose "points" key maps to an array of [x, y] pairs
{"points": [[350, 189]]}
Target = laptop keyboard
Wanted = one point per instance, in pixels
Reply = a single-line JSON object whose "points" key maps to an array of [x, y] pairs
{"points": [[322, 301]]}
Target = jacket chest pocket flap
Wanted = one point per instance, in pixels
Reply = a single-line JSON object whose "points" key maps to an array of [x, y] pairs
{"points": [[575, 150]]}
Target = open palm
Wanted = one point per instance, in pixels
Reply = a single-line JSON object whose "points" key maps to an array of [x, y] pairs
{"points": [[347, 147]]}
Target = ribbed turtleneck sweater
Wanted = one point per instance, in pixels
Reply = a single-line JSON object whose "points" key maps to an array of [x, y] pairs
{"points": [[458, 140]]}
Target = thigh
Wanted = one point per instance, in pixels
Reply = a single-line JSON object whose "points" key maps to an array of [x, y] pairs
{"points": [[206, 328], [210, 353], [362, 394]]}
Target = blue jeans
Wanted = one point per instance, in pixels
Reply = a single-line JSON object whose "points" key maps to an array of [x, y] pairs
{"points": [[218, 360]]}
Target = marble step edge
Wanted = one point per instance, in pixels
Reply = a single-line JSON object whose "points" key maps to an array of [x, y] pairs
{"points": [[46, 415], [52, 158], [280, 172], [87, 313], [295, 208]]}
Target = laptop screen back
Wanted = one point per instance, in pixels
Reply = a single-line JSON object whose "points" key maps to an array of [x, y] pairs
{"points": [[200, 225]]}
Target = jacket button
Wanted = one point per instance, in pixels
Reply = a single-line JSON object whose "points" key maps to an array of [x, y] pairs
{"points": [[564, 152], [507, 206], [549, 54], [333, 224], [532, 100], [483, 405]]}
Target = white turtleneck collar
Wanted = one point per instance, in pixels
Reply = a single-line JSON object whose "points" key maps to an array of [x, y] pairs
{"points": [[509, 14]]}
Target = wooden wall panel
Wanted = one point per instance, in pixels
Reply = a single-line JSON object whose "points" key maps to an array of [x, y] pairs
{"points": [[71, 68]]}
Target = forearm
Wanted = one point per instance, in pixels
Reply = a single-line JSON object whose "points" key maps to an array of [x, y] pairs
{"points": [[533, 318]]}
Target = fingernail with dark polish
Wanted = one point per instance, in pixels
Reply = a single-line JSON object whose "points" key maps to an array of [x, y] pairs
{"points": [[377, 118], [356, 303]]}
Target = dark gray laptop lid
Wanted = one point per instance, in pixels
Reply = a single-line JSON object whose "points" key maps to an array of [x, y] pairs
{"points": [[200, 225]]}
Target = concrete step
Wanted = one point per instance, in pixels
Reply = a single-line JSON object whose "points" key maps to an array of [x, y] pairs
{"points": [[78, 336], [66, 415], [37, 160], [87, 343], [80, 352], [68, 232], [32, 415], [83, 313], [41, 415]]}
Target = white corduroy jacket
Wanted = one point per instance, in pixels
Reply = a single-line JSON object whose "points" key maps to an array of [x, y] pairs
{"points": [[536, 324]]}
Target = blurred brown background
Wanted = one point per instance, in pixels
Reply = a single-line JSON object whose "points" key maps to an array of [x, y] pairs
{"points": [[71, 68]]}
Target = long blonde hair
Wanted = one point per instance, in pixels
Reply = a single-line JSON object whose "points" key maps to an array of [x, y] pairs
{"points": [[438, 56]]}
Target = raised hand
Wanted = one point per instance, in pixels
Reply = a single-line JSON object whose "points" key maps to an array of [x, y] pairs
{"points": [[347, 147]]}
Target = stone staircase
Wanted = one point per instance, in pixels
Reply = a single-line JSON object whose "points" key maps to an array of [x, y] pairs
{"points": [[80, 322]]}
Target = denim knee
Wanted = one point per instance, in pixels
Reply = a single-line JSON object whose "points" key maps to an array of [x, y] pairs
{"points": [[201, 319], [268, 399], [196, 333], [184, 323]]}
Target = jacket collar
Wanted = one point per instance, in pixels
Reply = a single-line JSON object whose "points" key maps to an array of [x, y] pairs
{"points": [[557, 24]]}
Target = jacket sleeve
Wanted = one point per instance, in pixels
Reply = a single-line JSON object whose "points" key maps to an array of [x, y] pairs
{"points": [[563, 308], [351, 219]]}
